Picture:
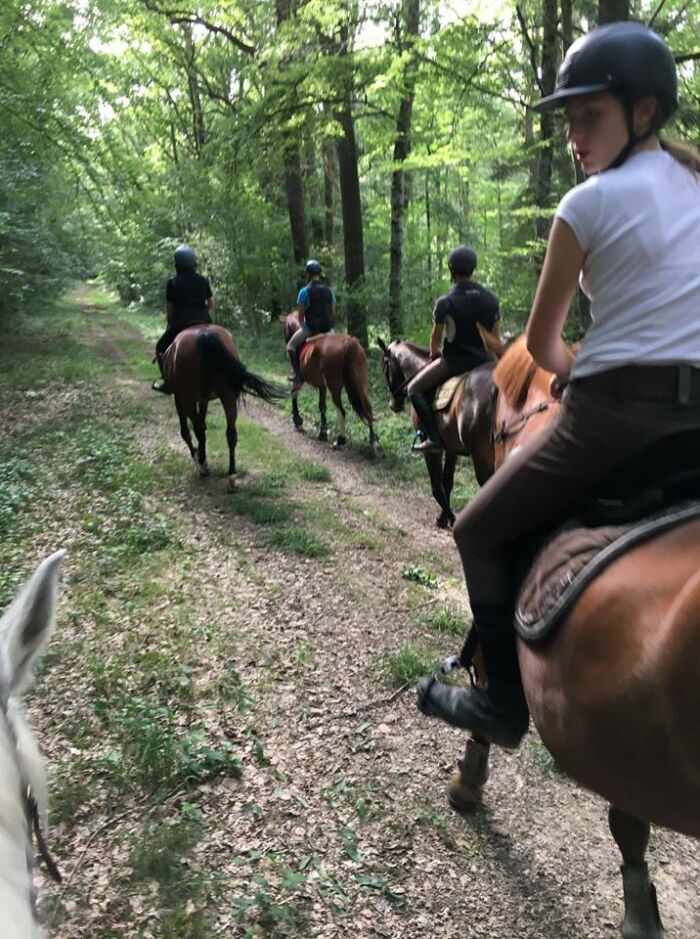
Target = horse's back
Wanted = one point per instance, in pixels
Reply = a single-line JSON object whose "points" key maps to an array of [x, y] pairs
{"points": [[184, 366], [327, 360], [186, 341], [615, 693]]}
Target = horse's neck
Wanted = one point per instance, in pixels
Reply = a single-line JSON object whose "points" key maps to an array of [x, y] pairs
{"points": [[412, 361], [16, 917]]}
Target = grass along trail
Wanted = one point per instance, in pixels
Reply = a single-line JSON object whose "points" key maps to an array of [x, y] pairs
{"points": [[227, 752]]}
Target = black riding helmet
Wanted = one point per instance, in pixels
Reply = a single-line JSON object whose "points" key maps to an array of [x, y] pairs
{"points": [[462, 260], [185, 258], [313, 268], [627, 59]]}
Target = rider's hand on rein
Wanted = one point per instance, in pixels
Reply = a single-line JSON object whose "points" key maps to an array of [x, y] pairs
{"points": [[557, 386]]}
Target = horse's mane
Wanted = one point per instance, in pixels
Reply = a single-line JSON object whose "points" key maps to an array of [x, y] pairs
{"points": [[514, 373], [416, 347]]}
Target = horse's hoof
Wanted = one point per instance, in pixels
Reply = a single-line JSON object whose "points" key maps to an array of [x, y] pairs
{"points": [[462, 795], [203, 469], [323, 435], [443, 521], [298, 425], [231, 485], [340, 442]]}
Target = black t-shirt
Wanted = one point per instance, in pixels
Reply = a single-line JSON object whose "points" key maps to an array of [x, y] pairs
{"points": [[460, 310], [188, 292]]}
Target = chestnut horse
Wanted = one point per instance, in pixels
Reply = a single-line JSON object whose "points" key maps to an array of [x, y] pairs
{"points": [[614, 692], [201, 364], [464, 425], [333, 361]]}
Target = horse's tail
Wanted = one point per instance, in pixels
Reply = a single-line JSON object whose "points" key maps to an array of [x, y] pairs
{"points": [[233, 371], [356, 380]]}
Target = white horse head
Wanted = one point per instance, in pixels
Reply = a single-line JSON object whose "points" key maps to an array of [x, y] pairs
{"points": [[24, 629]]}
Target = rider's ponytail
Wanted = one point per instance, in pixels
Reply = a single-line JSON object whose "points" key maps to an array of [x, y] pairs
{"points": [[683, 153]]}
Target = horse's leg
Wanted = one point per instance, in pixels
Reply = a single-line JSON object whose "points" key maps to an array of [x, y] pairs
{"points": [[200, 429], [464, 789], [338, 402], [185, 427], [642, 920], [297, 419], [322, 397], [448, 479], [433, 462], [230, 406]]}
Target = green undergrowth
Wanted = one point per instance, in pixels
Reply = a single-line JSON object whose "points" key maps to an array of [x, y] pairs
{"points": [[408, 664]]}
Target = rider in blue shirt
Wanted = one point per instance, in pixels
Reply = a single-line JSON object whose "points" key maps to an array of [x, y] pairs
{"points": [[316, 308]]}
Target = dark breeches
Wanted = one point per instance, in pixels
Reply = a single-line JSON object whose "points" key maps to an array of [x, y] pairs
{"points": [[171, 332], [596, 432], [166, 339]]}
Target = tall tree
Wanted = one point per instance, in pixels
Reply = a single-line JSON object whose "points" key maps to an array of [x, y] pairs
{"points": [[293, 183], [350, 198], [612, 11], [407, 32]]}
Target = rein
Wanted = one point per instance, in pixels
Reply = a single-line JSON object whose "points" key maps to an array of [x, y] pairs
{"points": [[506, 431], [31, 812]]}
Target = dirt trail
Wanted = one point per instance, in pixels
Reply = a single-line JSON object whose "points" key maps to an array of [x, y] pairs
{"points": [[360, 790]]}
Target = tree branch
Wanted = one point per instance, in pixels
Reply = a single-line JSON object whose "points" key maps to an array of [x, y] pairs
{"points": [[530, 45], [182, 16]]}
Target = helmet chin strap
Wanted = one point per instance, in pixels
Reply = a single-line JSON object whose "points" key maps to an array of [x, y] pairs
{"points": [[633, 139]]}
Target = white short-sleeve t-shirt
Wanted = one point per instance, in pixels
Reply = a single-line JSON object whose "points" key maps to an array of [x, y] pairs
{"points": [[639, 226]]}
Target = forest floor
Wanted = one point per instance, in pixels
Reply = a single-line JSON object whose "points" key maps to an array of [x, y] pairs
{"points": [[229, 749]]}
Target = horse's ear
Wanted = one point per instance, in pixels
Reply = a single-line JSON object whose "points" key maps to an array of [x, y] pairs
{"points": [[382, 345], [28, 622]]}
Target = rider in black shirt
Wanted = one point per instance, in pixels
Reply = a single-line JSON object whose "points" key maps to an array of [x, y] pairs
{"points": [[188, 300], [458, 315]]}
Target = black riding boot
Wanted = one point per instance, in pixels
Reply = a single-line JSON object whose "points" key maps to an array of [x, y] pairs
{"points": [[296, 367], [499, 712], [426, 415], [161, 384]]}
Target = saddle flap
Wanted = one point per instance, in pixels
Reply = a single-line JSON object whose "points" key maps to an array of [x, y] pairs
{"points": [[446, 392], [308, 346]]}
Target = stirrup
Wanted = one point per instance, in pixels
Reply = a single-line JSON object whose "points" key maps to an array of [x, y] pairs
{"points": [[426, 445]]}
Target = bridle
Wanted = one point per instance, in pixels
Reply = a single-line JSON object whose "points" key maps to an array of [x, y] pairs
{"points": [[31, 814], [505, 431], [397, 395]]}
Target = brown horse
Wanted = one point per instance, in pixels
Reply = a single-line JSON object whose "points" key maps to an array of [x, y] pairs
{"points": [[333, 361], [464, 425], [201, 364], [614, 692]]}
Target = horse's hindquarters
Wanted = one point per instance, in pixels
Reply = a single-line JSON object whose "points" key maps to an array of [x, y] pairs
{"points": [[615, 694]]}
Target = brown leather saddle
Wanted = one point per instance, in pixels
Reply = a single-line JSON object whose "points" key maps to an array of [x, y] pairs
{"points": [[659, 491]]}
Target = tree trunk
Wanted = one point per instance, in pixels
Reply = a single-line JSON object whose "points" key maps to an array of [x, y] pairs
{"points": [[198, 133], [428, 232], [294, 189], [353, 239], [399, 199], [351, 203], [328, 180], [611, 11], [550, 59], [293, 182]]}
